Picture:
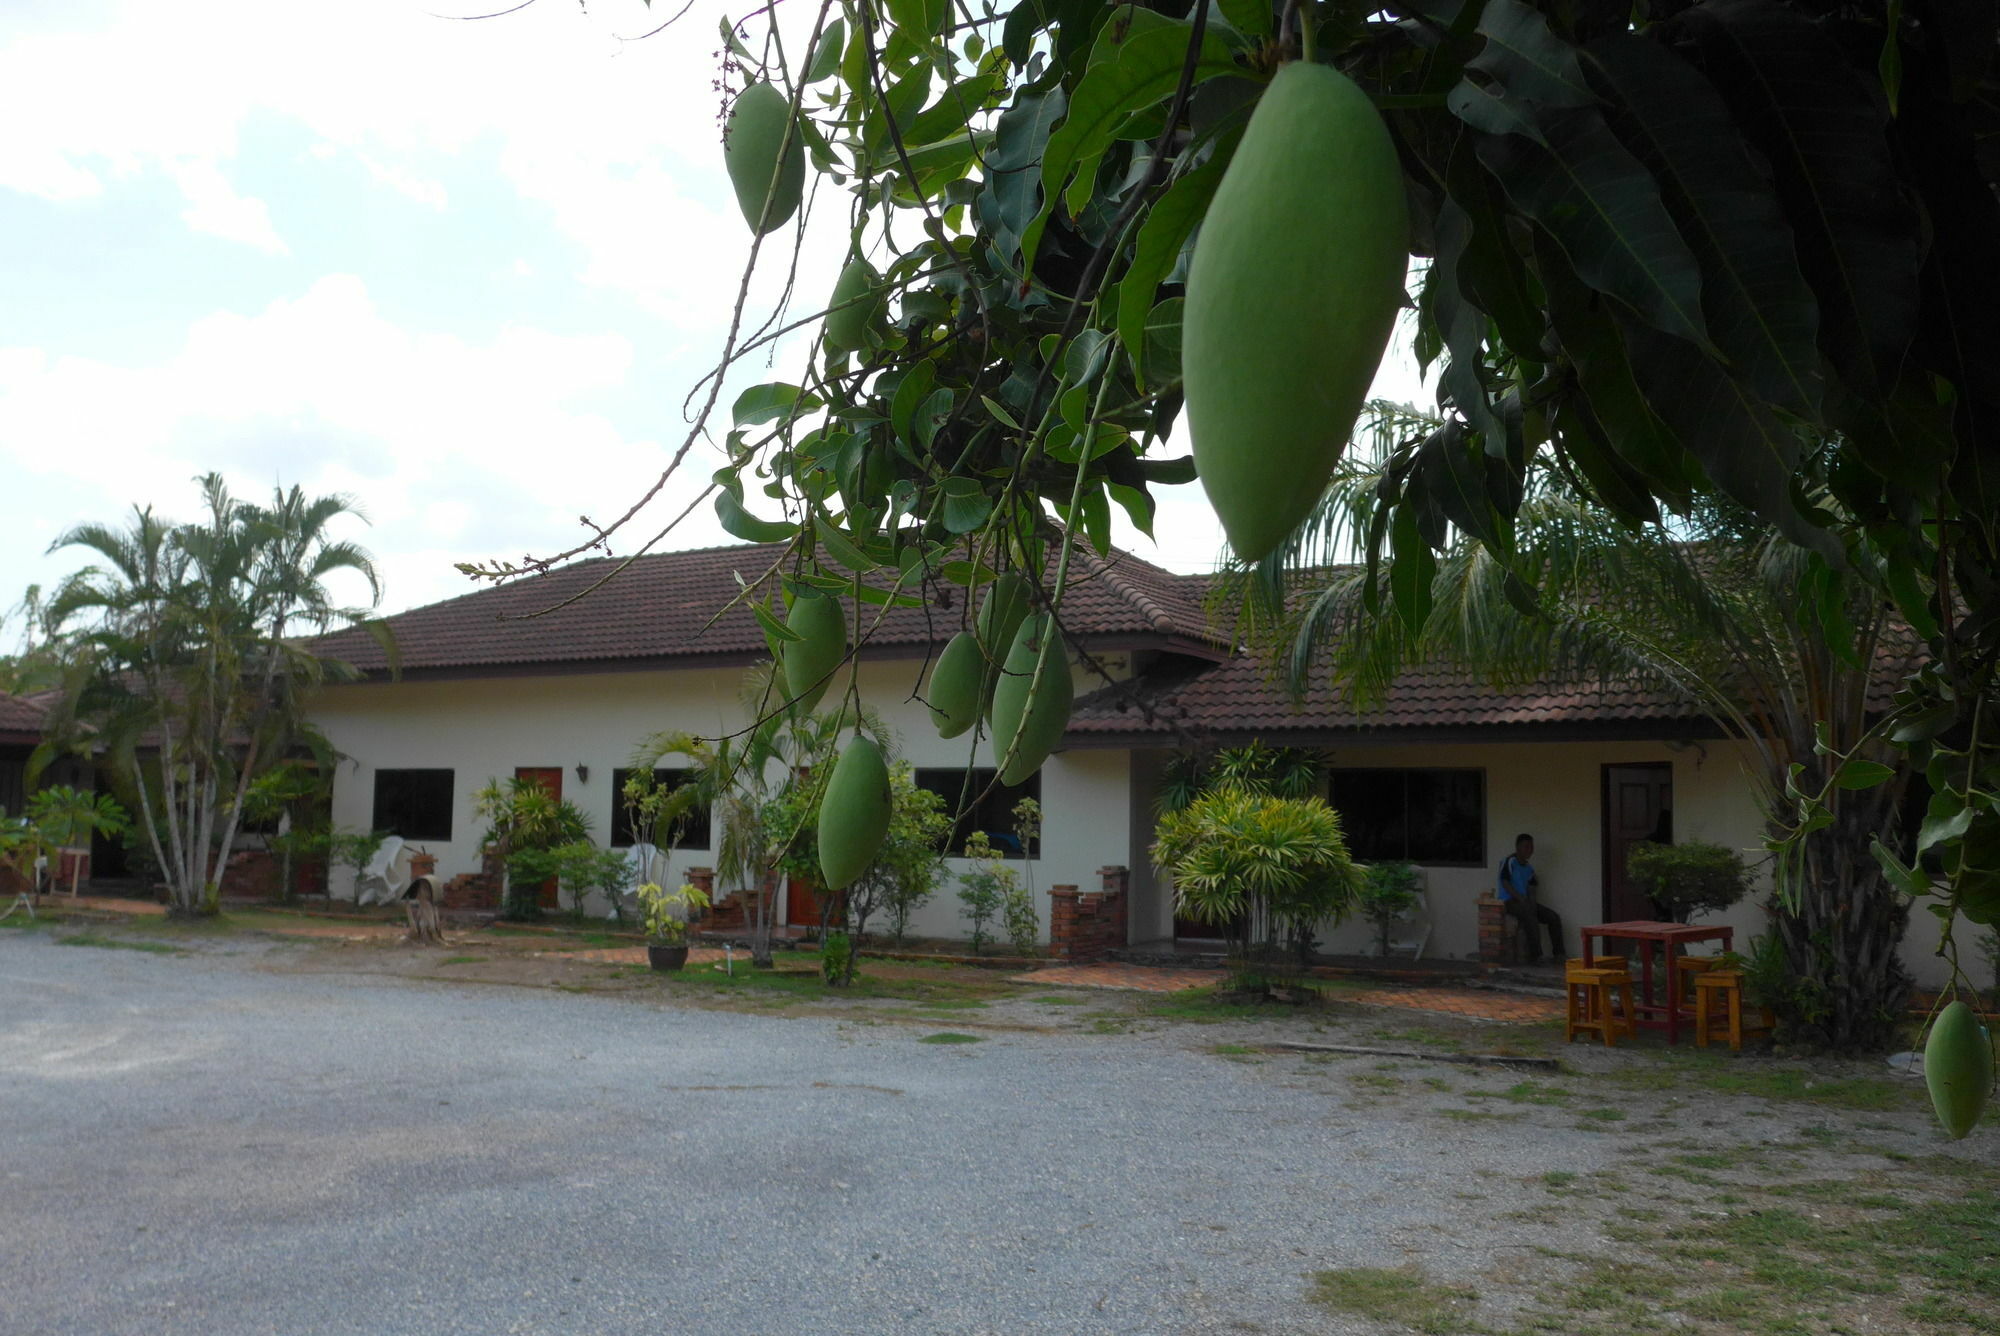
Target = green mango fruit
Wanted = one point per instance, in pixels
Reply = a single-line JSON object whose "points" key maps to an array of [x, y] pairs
{"points": [[1008, 600], [1292, 292], [1958, 1068], [847, 324], [810, 662], [853, 813], [1031, 700], [958, 686], [758, 124]]}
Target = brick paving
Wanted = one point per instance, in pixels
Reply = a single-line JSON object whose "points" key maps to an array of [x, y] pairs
{"points": [[1136, 978], [1506, 1008]]}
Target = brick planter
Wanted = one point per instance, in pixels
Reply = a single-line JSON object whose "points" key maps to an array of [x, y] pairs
{"points": [[1499, 936]]}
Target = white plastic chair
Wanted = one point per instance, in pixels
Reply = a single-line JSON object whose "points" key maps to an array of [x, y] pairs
{"points": [[1414, 923], [386, 876]]}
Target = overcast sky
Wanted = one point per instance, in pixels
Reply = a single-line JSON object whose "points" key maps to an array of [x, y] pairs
{"points": [[465, 272]]}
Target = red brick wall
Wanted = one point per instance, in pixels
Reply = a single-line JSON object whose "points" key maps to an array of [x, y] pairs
{"points": [[473, 890], [1088, 925]]}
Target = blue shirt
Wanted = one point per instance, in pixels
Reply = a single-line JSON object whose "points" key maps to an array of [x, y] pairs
{"points": [[1515, 878]]}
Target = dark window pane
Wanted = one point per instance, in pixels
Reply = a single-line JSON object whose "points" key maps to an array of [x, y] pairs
{"points": [[1372, 813], [1447, 816], [415, 804], [690, 832], [1406, 815], [992, 813]]}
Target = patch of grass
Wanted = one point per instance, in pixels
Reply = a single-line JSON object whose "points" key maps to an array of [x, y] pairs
{"points": [[477, 960], [1061, 1000], [1523, 1092], [951, 1037], [1203, 1006], [1602, 1115], [1402, 1295], [118, 944], [1421, 1036], [1558, 1178], [1479, 1116]]}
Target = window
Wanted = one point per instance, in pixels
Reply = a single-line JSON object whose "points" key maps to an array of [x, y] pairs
{"points": [[690, 832], [415, 804], [1436, 817], [992, 806]]}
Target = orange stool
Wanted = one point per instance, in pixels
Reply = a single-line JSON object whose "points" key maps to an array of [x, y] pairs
{"points": [[1718, 1002], [1600, 1001]]}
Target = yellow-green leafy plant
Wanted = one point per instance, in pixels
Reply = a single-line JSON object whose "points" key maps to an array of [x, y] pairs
{"points": [[665, 913]]}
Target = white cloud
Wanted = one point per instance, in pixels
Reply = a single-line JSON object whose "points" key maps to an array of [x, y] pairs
{"points": [[214, 207], [460, 450]]}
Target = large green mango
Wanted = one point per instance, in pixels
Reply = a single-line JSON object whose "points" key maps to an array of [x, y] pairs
{"points": [[810, 662], [958, 685], [853, 813], [1032, 699], [848, 317], [1958, 1068], [758, 124], [1008, 600], [1293, 289]]}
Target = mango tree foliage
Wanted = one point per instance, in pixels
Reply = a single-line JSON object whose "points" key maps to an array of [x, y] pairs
{"points": [[1667, 250]]}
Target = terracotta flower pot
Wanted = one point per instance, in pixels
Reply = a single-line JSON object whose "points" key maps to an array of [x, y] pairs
{"points": [[666, 959]]}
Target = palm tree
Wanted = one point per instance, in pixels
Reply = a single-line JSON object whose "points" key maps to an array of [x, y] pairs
{"points": [[1785, 652], [189, 662]]}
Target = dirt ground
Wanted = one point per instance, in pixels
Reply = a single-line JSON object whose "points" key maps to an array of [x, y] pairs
{"points": [[1749, 1192]]}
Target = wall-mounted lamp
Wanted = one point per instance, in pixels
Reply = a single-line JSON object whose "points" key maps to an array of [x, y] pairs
{"points": [[582, 773]]}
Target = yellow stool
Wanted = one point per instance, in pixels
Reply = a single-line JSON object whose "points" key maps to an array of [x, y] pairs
{"points": [[1722, 991], [1600, 1001]]}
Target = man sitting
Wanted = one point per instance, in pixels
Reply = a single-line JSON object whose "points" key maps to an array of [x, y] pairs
{"points": [[1517, 886]]}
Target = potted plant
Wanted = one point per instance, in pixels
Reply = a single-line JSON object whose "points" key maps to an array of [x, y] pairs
{"points": [[665, 914], [1688, 879]]}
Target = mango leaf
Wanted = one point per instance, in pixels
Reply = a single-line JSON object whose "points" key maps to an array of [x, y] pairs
{"points": [[966, 505], [1146, 70], [767, 403], [841, 549], [825, 60], [919, 17], [1524, 57], [1604, 209], [776, 633], [1138, 505], [1759, 310], [910, 394], [740, 523], [1161, 239], [1252, 18], [1825, 133], [1863, 775], [1412, 569], [1163, 340]]}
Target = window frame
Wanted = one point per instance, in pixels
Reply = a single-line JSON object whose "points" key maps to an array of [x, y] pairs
{"points": [[426, 834], [962, 826], [619, 819], [1404, 774]]}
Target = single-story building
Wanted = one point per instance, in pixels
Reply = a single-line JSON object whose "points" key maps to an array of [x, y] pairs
{"points": [[1444, 775]]}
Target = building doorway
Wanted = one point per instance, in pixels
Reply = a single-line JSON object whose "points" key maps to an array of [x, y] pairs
{"points": [[1638, 805], [550, 777]]}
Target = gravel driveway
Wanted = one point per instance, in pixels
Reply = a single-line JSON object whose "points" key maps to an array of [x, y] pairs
{"points": [[210, 1143]]}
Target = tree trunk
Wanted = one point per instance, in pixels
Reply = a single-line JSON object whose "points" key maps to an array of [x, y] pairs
{"points": [[1847, 986]]}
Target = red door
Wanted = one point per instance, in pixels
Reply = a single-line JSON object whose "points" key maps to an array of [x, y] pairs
{"points": [[550, 778], [1638, 805]]}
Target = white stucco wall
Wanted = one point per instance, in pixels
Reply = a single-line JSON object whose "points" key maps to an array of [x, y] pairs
{"points": [[486, 728]]}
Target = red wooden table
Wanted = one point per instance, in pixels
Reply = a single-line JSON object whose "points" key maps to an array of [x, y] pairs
{"points": [[1669, 938]]}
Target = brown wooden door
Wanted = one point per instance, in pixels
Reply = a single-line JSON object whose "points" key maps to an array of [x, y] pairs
{"points": [[1638, 805], [549, 777]]}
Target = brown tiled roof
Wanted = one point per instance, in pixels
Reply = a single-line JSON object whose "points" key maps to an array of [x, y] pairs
{"points": [[22, 717], [1240, 699], [661, 607]]}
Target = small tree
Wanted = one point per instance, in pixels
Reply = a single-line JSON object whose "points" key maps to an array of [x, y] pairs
{"points": [[524, 822], [1688, 879], [1388, 891], [1278, 866], [983, 888]]}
